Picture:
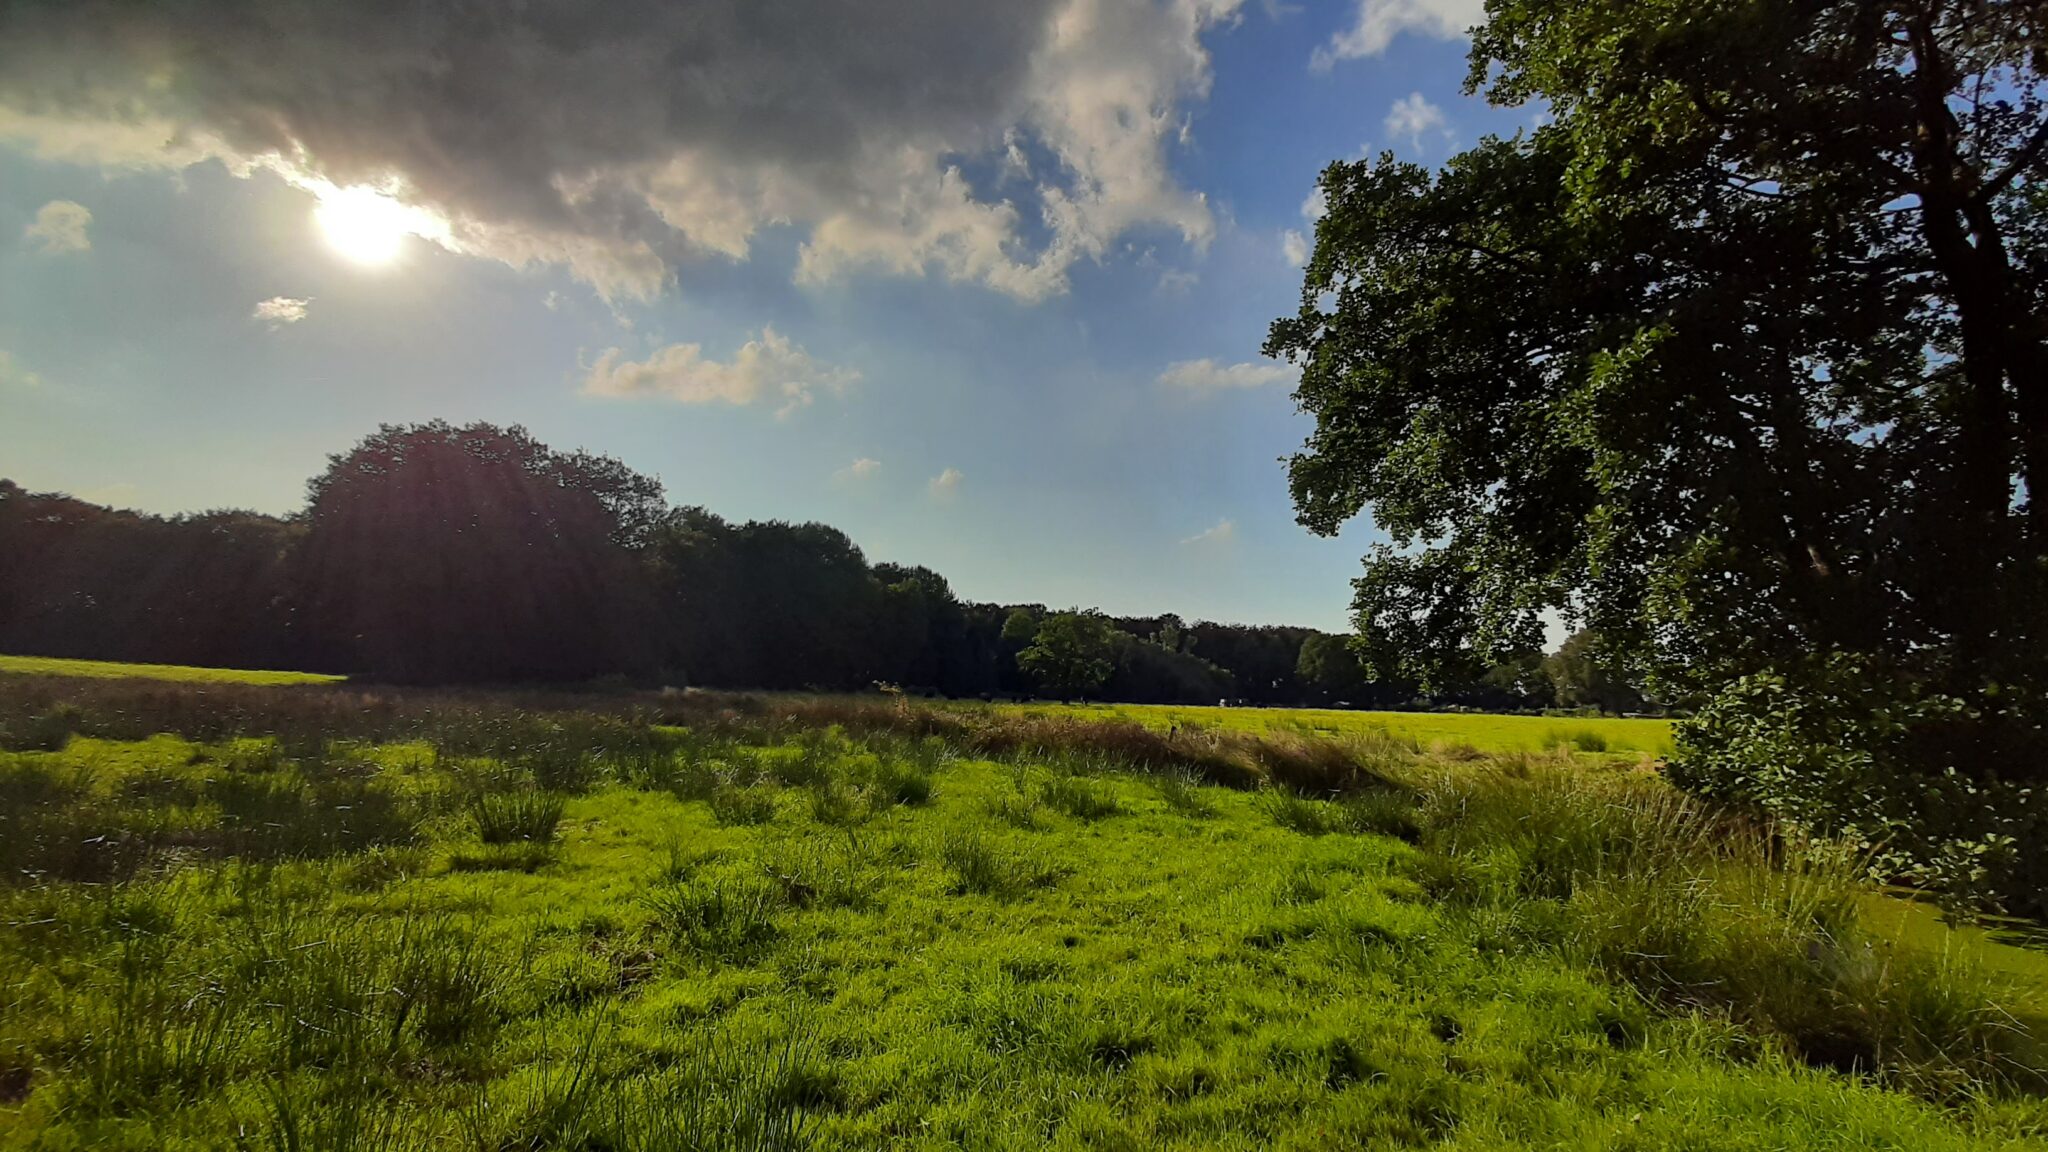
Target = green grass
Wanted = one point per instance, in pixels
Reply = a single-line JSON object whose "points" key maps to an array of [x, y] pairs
{"points": [[109, 670], [1480, 732], [751, 938]]}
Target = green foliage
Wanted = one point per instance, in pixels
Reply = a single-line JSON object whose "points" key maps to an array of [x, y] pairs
{"points": [[1581, 677], [534, 582], [1071, 653], [1902, 771], [1734, 359]]}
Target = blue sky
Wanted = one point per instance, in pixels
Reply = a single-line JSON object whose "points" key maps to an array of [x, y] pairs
{"points": [[1001, 318]]}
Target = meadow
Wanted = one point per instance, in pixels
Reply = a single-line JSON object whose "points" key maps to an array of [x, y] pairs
{"points": [[1483, 732], [335, 917], [176, 673]]}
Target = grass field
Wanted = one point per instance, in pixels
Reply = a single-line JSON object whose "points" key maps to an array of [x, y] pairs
{"points": [[178, 673], [519, 930], [1479, 731]]}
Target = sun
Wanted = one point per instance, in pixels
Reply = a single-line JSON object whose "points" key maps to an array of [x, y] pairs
{"points": [[364, 225]]}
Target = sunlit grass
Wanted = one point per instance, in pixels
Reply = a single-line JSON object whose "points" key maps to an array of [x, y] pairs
{"points": [[523, 931], [110, 670], [1478, 731]]}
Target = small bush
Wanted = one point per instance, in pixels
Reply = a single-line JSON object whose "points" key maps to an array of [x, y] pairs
{"points": [[521, 816]]}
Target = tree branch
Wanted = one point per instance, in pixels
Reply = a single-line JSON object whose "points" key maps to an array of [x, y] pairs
{"points": [[2029, 154]]}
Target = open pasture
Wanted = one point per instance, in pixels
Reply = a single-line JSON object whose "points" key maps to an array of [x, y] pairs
{"points": [[1479, 731], [176, 673], [420, 923]]}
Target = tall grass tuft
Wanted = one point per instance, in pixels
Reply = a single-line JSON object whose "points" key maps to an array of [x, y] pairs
{"points": [[1703, 911], [526, 815], [1181, 793], [1080, 798], [979, 866], [1303, 814], [725, 917]]}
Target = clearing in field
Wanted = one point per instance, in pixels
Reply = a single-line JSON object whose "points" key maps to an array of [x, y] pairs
{"points": [[448, 923]]}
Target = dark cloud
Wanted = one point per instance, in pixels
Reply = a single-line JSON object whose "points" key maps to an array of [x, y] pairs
{"points": [[617, 136]]}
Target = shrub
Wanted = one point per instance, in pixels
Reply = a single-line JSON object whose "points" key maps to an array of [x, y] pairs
{"points": [[1924, 779]]}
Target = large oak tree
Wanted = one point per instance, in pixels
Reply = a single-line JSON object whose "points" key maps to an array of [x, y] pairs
{"points": [[1739, 358]]}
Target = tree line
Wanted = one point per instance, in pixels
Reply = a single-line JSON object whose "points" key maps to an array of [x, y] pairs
{"points": [[439, 554]]}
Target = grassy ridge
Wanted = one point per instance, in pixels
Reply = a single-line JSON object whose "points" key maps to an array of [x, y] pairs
{"points": [[1480, 731], [521, 929], [177, 673]]}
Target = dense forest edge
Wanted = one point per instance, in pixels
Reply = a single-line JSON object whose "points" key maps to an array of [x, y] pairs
{"points": [[435, 554]]}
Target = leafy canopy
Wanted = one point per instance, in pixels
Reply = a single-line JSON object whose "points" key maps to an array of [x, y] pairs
{"points": [[1741, 359], [1072, 653]]}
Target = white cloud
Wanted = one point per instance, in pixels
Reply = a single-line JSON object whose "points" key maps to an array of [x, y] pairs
{"points": [[946, 483], [1178, 281], [1206, 375], [1379, 21], [1412, 115], [1316, 206], [60, 227], [1222, 532], [279, 311], [768, 366], [860, 469], [1294, 246], [15, 374], [620, 140]]}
